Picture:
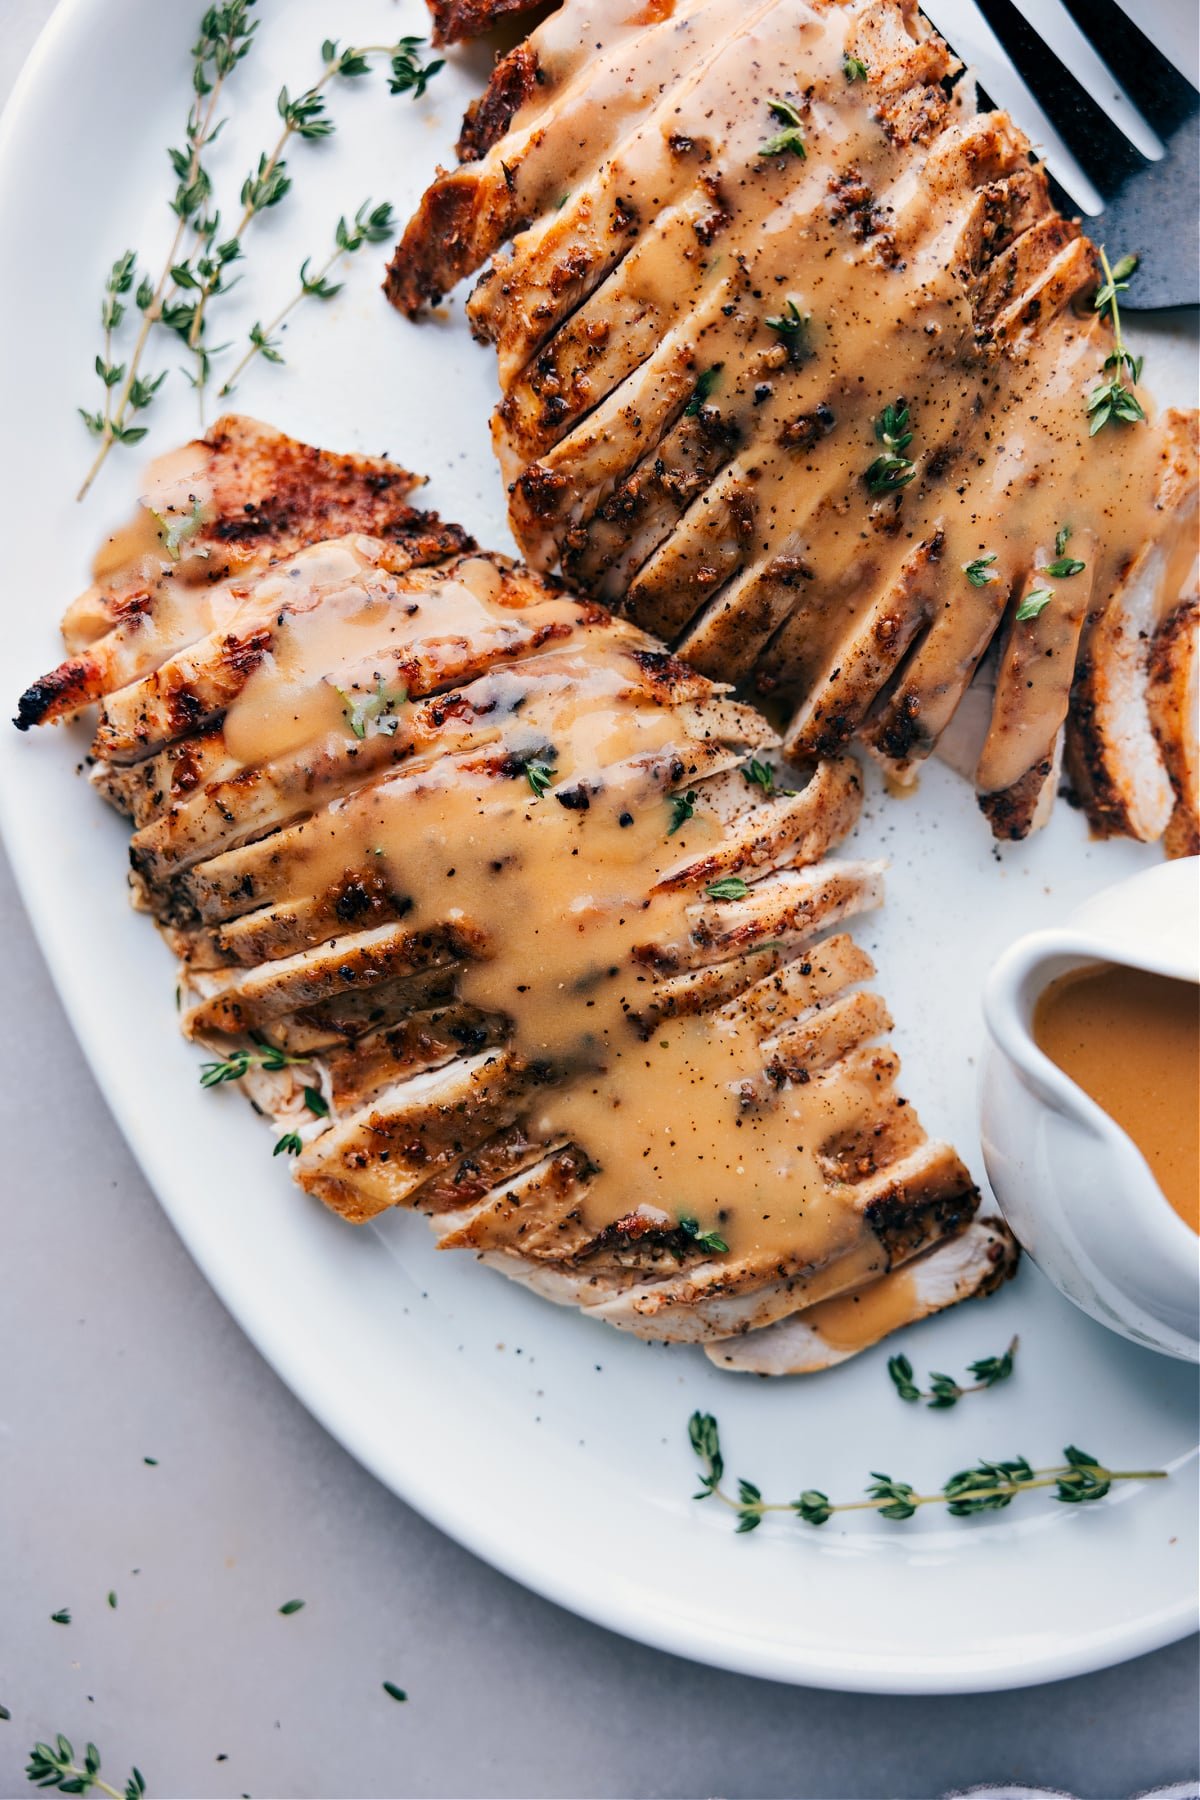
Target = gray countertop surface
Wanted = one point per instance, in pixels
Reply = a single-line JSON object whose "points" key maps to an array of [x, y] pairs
{"points": [[113, 1350]]}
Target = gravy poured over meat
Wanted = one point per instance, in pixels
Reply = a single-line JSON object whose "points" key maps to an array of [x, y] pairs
{"points": [[501, 912], [797, 359]]}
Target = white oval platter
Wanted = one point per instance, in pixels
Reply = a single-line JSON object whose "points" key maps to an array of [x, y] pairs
{"points": [[554, 1447]]}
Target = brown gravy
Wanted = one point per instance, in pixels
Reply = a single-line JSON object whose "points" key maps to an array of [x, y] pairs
{"points": [[1132, 1042]]}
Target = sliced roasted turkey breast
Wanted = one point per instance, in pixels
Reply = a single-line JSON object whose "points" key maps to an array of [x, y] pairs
{"points": [[801, 370], [501, 912]]}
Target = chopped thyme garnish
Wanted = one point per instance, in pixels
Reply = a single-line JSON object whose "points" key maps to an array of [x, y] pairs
{"points": [[176, 533], [61, 1617], [234, 1067], [1062, 566], [988, 1487], [730, 887], [893, 470], [707, 1240], [790, 141], [683, 806], [1034, 604], [112, 1599], [151, 1462], [290, 1144], [540, 776], [372, 713], [54, 1766], [944, 1391], [759, 774], [854, 68], [199, 259], [291, 1606], [791, 324], [1113, 402], [706, 381], [316, 1102], [979, 572], [397, 1693]]}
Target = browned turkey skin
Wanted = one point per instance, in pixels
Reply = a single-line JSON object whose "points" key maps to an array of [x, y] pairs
{"points": [[741, 239], [499, 911]]}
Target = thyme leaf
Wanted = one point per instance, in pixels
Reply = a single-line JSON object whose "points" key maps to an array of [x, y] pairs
{"points": [[1063, 565], [540, 776], [1034, 604], [408, 75], [759, 774], [980, 572], [854, 68], [706, 381], [290, 1144], [707, 1240], [372, 714], [791, 324], [729, 887], [683, 806]]}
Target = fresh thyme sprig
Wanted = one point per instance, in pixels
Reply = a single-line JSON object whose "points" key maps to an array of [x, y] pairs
{"points": [[1112, 402], [372, 224], [54, 1766], [789, 141], [306, 117], [854, 68], [225, 37], [191, 278], [239, 1064], [987, 1487], [893, 470], [944, 1391]]}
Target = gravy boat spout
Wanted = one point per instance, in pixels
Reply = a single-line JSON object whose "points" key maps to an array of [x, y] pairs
{"points": [[1076, 1190]]}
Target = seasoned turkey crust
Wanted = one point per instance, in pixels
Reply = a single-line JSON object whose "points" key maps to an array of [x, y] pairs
{"points": [[754, 251], [499, 911]]}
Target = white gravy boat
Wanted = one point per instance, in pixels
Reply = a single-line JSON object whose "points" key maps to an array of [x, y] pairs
{"points": [[1076, 1190]]}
